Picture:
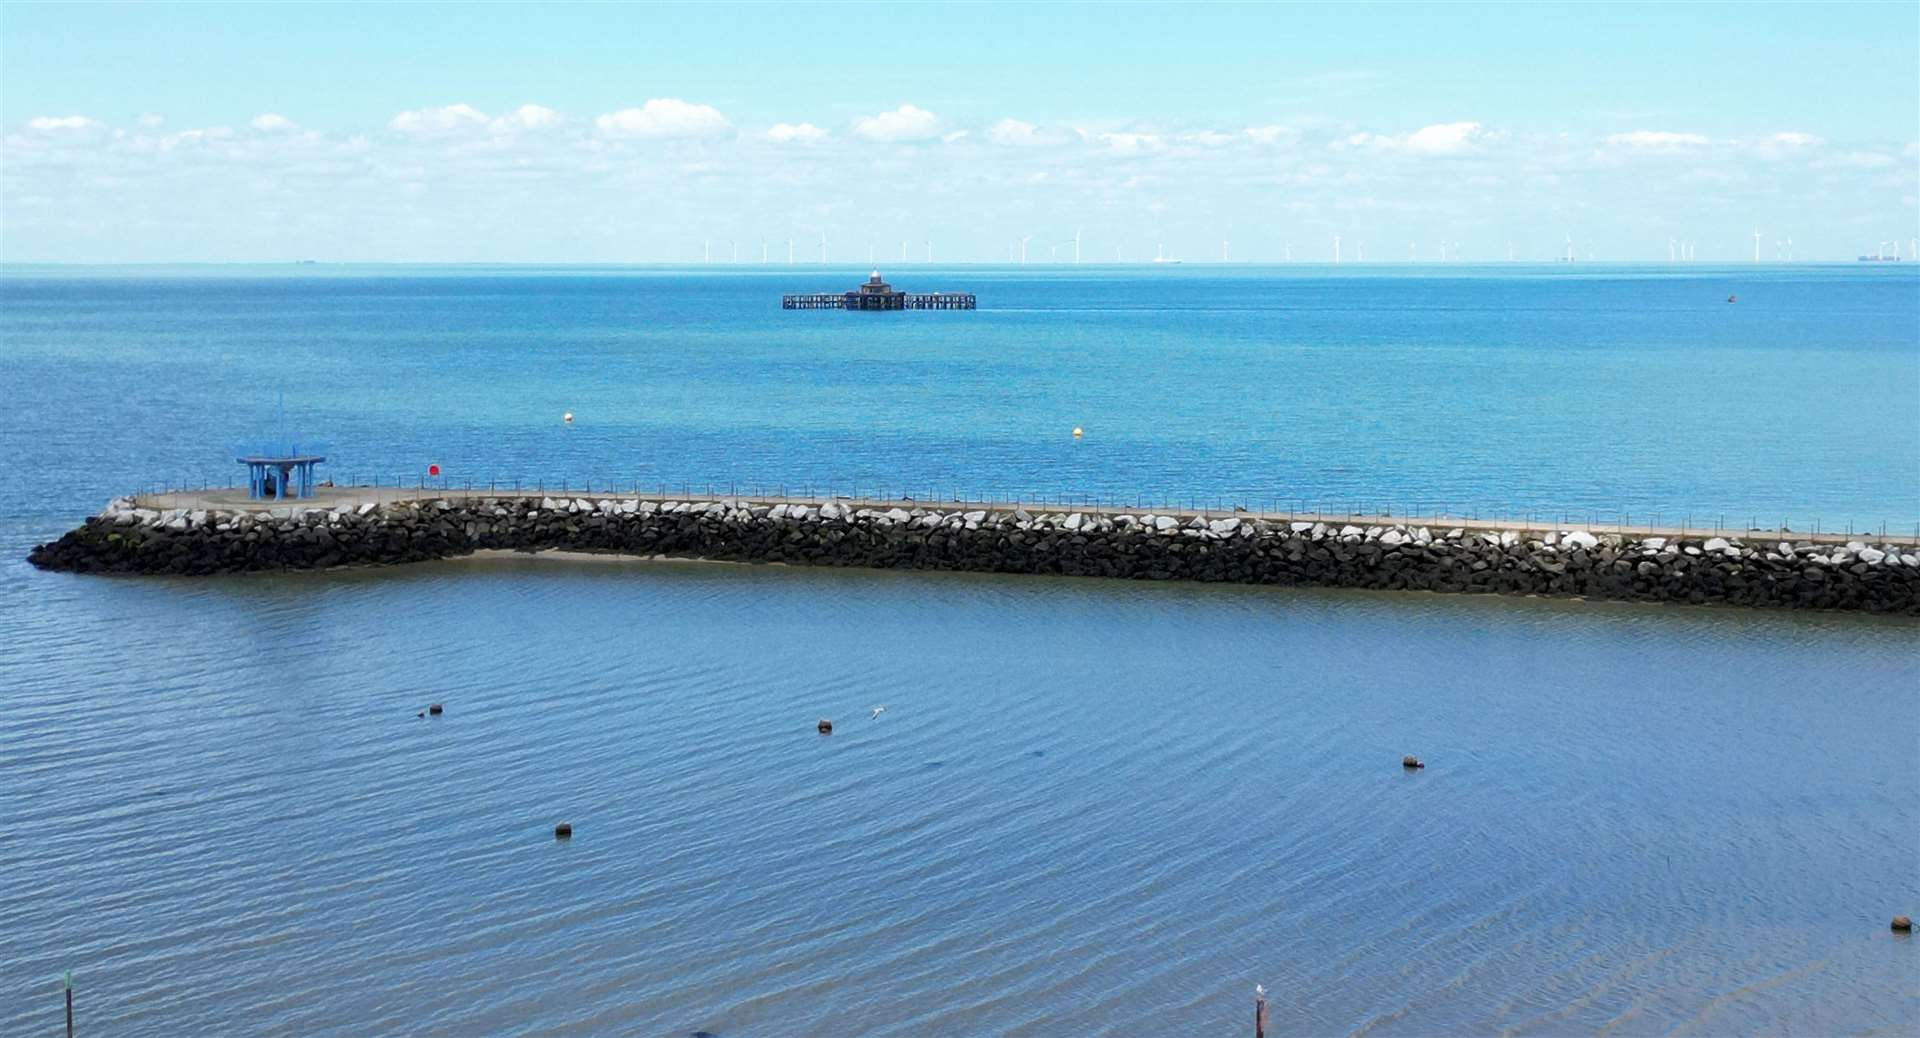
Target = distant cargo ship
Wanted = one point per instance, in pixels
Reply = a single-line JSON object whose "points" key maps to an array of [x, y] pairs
{"points": [[1877, 258]]}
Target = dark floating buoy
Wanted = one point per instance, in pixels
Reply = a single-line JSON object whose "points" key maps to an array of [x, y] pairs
{"points": [[1411, 762], [1732, 298], [434, 709], [1902, 924], [563, 831], [825, 726]]}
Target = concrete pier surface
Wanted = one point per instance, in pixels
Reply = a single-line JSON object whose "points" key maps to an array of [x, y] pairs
{"points": [[234, 499]]}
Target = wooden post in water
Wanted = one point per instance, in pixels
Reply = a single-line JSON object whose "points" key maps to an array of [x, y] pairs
{"points": [[1259, 1011], [66, 982]]}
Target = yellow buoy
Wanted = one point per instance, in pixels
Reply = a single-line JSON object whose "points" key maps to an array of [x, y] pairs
{"points": [[1076, 432], [567, 418]]}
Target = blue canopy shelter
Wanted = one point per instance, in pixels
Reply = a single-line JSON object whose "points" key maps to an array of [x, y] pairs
{"points": [[280, 466], [281, 477]]}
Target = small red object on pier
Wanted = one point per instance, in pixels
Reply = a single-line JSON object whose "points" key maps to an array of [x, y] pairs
{"points": [[433, 470]]}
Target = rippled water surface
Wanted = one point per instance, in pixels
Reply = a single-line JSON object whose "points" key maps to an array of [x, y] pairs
{"points": [[1089, 807]]}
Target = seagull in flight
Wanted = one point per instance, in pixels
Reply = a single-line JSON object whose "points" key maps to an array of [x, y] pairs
{"points": [[877, 711]]}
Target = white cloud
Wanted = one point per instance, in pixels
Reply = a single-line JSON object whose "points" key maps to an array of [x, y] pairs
{"points": [[1794, 140], [438, 120], [271, 122], [1444, 138], [1125, 143], [1656, 140], [905, 123], [951, 137], [196, 136], [61, 122], [1209, 138], [1271, 134], [796, 133], [1437, 139], [525, 117], [1779, 146], [1013, 131], [664, 118]]}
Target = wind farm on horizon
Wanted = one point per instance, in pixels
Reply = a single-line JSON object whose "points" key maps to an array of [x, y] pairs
{"points": [[1337, 250]]}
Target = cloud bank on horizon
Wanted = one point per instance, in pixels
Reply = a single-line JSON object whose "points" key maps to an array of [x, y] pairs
{"points": [[1278, 165]]}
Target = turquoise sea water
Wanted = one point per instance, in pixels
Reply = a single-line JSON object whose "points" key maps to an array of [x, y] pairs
{"points": [[1090, 807]]}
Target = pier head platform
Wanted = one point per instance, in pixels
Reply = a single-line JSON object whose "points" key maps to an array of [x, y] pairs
{"points": [[876, 294], [227, 531]]}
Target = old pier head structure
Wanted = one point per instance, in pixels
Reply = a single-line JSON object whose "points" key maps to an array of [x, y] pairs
{"points": [[876, 294]]}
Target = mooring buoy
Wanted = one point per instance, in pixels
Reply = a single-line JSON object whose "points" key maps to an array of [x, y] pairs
{"points": [[1902, 924], [825, 726], [563, 831], [434, 709], [1410, 762]]}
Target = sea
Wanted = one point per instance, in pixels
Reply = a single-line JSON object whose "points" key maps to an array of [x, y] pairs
{"points": [[1087, 807]]}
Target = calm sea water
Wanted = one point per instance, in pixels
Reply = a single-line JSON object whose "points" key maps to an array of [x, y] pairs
{"points": [[1090, 807]]}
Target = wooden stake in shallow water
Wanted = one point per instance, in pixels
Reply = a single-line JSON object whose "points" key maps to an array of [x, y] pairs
{"points": [[1259, 1011], [66, 982]]}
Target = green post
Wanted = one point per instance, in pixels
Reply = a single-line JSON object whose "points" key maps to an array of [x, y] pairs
{"points": [[66, 983]]}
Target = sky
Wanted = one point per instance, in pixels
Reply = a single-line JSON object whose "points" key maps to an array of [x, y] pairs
{"points": [[595, 133]]}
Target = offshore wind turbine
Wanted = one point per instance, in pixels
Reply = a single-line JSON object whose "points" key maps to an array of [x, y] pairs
{"points": [[1756, 244], [1360, 248], [1076, 246], [706, 253], [763, 250], [1224, 246], [929, 250], [1670, 252], [903, 252], [736, 249], [1569, 248], [789, 252], [823, 248], [1336, 249], [1023, 249], [1413, 249]]}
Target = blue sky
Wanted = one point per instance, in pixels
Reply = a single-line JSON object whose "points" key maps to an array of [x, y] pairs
{"points": [[546, 133]]}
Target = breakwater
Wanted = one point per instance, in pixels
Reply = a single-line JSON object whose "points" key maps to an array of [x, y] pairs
{"points": [[209, 534]]}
